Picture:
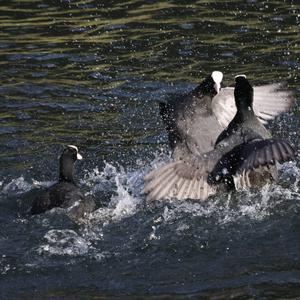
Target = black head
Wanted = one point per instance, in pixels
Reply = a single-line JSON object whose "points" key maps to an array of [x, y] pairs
{"points": [[243, 92], [211, 85], [67, 159], [71, 152]]}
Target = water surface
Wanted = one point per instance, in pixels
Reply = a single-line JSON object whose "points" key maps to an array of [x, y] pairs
{"points": [[90, 73]]}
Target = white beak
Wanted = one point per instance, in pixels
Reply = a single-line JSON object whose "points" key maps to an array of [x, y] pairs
{"points": [[217, 77], [79, 156]]}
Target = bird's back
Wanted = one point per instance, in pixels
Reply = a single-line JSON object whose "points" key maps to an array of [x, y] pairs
{"points": [[54, 196], [191, 124], [65, 195]]}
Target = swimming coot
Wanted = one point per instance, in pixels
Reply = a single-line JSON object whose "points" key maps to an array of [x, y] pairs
{"points": [[65, 193]]}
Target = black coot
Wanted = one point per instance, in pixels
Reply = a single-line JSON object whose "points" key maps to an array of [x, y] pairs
{"points": [[65, 193], [245, 148], [190, 121], [195, 120]]}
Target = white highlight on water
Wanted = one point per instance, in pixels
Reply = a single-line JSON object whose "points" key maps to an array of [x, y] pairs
{"points": [[63, 242], [122, 190]]}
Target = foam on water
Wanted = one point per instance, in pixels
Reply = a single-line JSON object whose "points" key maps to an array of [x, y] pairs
{"points": [[63, 242], [126, 201], [5, 267], [16, 186], [235, 206], [123, 188], [20, 186]]}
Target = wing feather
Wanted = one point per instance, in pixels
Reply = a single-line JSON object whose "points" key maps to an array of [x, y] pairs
{"points": [[269, 101], [160, 179], [265, 152], [181, 180]]}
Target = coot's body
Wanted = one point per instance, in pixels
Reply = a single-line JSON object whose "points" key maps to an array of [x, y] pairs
{"points": [[244, 151], [191, 124], [195, 120], [65, 193]]}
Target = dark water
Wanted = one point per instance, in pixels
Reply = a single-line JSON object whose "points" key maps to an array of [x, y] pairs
{"points": [[90, 73]]}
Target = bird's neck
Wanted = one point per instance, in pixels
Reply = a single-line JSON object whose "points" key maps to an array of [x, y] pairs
{"points": [[202, 99], [245, 107], [245, 112], [198, 92], [201, 90], [66, 170]]}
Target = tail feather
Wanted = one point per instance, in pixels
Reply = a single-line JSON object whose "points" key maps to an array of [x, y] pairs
{"points": [[161, 170], [181, 180], [202, 189], [269, 155], [255, 177], [181, 192], [276, 154], [177, 187], [257, 159], [287, 149], [189, 190], [193, 189]]}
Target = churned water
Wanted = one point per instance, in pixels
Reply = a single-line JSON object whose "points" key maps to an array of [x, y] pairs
{"points": [[90, 73]]}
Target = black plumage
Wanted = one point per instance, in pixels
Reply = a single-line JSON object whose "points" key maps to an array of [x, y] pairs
{"points": [[65, 193]]}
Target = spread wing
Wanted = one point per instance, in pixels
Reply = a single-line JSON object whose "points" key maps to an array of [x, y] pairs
{"points": [[269, 101], [265, 152], [260, 162], [196, 177], [180, 180], [223, 106], [251, 156]]}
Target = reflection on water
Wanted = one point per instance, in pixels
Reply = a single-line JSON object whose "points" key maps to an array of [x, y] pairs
{"points": [[91, 73], [82, 68]]}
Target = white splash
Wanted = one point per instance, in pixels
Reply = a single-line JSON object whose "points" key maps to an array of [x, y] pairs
{"points": [[16, 187], [124, 204], [253, 204], [64, 242], [125, 185]]}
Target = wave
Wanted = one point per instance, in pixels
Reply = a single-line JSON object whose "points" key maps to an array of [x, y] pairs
{"points": [[120, 190]]}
